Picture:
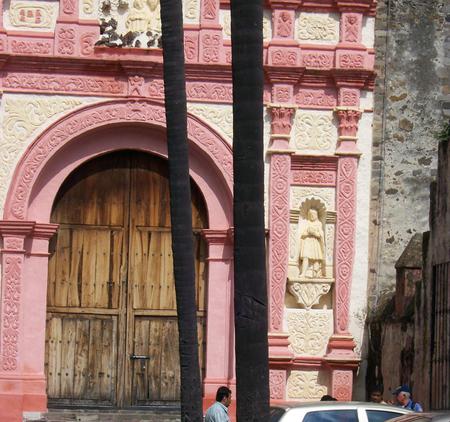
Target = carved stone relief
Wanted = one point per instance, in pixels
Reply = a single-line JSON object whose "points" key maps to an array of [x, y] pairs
{"points": [[307, 385], [37, 16], [218, 116], [309, 275], [317, 27], [130, 23], [309, 331], [314, 132], [23, 116], [326, 195]]}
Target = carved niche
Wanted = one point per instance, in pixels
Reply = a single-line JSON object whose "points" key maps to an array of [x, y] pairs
{"points": [[310, 270]]}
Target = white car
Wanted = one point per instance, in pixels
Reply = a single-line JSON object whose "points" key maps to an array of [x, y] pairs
{"points": [[334, 411]]}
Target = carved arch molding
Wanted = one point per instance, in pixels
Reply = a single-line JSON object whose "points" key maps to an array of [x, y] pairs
{"points": [[95, 116]]}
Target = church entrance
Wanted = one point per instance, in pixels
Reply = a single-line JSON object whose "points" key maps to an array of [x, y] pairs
{"points": [[111, 336]]}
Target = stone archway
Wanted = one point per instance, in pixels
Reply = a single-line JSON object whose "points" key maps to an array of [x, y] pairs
{"points": [[26, 231]]}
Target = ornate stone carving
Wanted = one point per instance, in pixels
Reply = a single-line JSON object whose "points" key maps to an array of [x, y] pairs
{"points": [[309, 331], [342, 385], [281, 94], [191, 10], [351, 61], [284, 24], [68, 6], [318, 60], [308, 293], [144, 16], [300, 194], [226, 23], [348, 121], [66, 41], [156, 89], [190, 47], [209, 9], [32, 15], [87, 43], [317, 27], [210, 91], [267, 26], [277, 380], [21, 118], [351, 27], [313, 131], [281, 122], [11, 308], [219, 116], [62, 83], [349, 97], [12, 243], [314, 178], [305, 385], [345, 239], [321, 98], [104, 114], [136, 85], [279, 235], [211, 47], [31, 47], [88, 7], [284, 57]]}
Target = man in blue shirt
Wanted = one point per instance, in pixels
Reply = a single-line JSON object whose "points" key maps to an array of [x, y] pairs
{"points": [[218, 412], [403, 398]]}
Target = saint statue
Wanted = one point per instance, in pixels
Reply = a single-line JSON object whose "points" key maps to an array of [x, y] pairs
{"points": [[312, 247]]}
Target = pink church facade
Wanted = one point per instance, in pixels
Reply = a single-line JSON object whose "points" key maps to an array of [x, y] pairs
{"points": [[66, 101]]}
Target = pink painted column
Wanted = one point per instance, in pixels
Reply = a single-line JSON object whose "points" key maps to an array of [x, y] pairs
{"points": [[279, 183], [219, 327], [341, 357], [12, 381]]}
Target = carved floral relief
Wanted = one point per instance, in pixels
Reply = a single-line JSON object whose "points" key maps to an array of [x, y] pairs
{"points": [[317, 27], [307, 385], [309, 331], [326, 195], [220, 117], [38, 16], [23, 118], [314, 132]]}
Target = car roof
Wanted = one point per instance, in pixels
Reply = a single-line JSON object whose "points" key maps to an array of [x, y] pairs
{"points": [[336, 405], [432, 417]]}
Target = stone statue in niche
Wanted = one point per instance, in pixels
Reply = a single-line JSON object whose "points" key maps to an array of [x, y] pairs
{"points": [[312, 247]]}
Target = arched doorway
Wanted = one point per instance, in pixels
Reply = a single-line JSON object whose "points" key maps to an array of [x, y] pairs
{"points": [[111, 336]]}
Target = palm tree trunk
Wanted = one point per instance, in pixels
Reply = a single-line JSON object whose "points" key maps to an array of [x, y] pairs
{"points": [[250, 288], [180, 207]]}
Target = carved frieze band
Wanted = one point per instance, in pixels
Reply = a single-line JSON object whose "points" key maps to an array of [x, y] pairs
{"points": [[279, 236], [107, 113], [309, 171], [345, 239]]}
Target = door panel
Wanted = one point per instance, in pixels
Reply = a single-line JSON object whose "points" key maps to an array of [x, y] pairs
{"points": [[81, 358], [111, 291]]}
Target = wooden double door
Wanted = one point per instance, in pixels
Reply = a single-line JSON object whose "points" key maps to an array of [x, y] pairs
{"points": [[111, 335]]}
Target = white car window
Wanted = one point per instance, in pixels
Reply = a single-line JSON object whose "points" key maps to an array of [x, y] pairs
{"points": [[344, 415], [381, 415]]}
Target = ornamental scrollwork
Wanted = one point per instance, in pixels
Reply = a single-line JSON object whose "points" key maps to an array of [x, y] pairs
{"points": [[317, 27], [305, 385], [313, 131]]}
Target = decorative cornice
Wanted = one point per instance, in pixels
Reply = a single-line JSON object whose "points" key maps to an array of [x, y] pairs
{"points": [[217, 237], [16, 228]]}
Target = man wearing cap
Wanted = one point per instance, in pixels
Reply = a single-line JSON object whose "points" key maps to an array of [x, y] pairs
{"points": [[403, 397]]}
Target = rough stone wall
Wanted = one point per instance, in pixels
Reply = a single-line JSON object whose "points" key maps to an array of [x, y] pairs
{"points": [[411, 96]]}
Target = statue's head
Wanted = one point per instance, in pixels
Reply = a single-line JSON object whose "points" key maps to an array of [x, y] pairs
{"points": [[312, 214]]}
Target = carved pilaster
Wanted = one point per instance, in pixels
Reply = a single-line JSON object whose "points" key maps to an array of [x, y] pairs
{"points": [[345, 239], [348, 128], [13, 253], [279, 182]]}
